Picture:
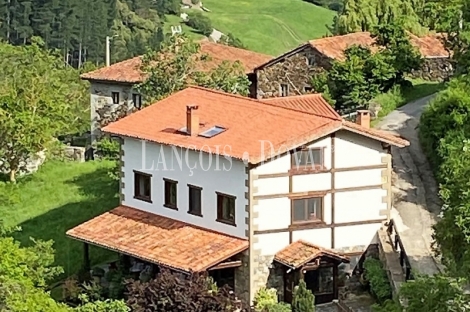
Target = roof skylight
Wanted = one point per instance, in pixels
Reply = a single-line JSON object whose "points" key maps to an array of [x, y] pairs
{"points": [[209, 133]]}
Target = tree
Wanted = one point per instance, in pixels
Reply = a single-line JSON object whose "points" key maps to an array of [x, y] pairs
{"points": [[176, 65], [40, 98], [200, 22], [303, 300], [26, 271], [363, 74], [169, 292]]}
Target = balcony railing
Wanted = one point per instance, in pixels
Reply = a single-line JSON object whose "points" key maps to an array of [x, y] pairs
{"points": [[398, 247]]}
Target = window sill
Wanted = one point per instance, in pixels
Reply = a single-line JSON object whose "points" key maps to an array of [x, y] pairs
{"points": [[170, 206], [308, 225], [142, 198], [228, 222], [195, 214]]}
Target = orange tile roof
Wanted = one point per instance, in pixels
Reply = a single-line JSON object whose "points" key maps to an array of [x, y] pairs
{"points": [[430, 46], [300, 253], [128, 71], [247, 123], [158, 239], [312, 103]]}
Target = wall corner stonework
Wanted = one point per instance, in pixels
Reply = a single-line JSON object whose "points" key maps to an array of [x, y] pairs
{"points": [[387, 185], [121, 171]]}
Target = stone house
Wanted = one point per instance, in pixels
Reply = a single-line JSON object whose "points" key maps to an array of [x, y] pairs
{"points": [[256, 192], [290, 73], [111, 88]]}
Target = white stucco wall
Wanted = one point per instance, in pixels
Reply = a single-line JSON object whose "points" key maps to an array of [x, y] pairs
{"points": [[101, 95], [161, 162], [351, 150]]}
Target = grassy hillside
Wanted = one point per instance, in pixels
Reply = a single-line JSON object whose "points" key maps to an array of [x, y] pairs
{"points": [[269, 26]]}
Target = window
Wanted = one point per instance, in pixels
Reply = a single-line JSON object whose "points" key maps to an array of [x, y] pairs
{"points": [[115, 96], [284, 89], [212, 132], [171, 194], [194, 206], [311, 60], [137, 100], [307, 209], [308, 89], [312, 157], [142, 186], [226, 208]]}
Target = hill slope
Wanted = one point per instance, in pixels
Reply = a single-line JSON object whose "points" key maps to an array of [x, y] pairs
{"points": [[270, 26]]}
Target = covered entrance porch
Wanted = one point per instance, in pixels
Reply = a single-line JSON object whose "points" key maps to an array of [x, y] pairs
{"points": [[154, 240], [317, 266]]}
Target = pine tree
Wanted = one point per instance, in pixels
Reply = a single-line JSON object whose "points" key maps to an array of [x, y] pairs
{"points": [[304, 300]]}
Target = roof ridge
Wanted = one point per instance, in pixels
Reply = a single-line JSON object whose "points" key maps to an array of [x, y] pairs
{"points": [[257, 101], [231, 47]]}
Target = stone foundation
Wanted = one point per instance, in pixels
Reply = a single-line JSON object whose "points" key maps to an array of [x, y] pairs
{"points": [[269, 274], [242, 279]]}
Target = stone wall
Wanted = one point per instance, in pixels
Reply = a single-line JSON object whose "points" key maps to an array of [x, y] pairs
{"points": [[103, 111], [434, 69], [242, 279], [293, 71], [74, 153]]}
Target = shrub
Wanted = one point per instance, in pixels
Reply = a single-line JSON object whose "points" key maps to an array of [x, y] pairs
{"points": [[378, 280], [108, 148], [304, 300], [277, 307], [265, 297], [169, 292], [200, 22]]}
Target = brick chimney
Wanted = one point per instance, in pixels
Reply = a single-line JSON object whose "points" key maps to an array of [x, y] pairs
{"points": [[363, 118], [192, 120]]}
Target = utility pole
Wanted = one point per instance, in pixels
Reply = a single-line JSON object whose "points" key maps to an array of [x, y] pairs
{"points": [[108, 61], [80, 55], [108, 52]]}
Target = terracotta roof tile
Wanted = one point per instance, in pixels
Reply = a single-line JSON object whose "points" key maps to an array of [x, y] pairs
{"points": [[158, 239], [333, 47], [312, 103], [248, 122], [128, 71], [300, 252]]}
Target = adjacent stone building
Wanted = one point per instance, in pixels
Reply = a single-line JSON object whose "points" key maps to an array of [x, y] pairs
{"points": [[291, 73], [112, 93]]}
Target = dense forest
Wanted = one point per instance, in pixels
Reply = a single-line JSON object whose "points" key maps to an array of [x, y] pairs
{"points": [[78, 28]]}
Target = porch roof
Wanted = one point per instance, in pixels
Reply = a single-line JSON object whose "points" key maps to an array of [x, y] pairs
{"points": [[158, 239], [300, 252]]}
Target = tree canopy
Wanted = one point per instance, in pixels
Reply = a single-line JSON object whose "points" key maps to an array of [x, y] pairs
{"points": [[177, 64], [41, 97]]}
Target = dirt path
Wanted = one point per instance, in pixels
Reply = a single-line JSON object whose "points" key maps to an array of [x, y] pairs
{"points": [[416, 201]]}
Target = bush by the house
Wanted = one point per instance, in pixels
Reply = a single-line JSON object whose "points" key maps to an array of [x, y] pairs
{"points": [[266, 301], [303, 299], [377, 278], [200, 22], [170, 292]]}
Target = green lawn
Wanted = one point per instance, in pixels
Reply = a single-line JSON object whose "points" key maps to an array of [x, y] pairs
{"points": [[270, 26], [58, 197], [173, 20]]}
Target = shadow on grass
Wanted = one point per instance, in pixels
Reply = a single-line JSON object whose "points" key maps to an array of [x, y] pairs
{"points": [[101, 196]]}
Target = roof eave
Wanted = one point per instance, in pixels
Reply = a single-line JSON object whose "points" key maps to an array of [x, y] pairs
{"points": [[405, 143]]}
